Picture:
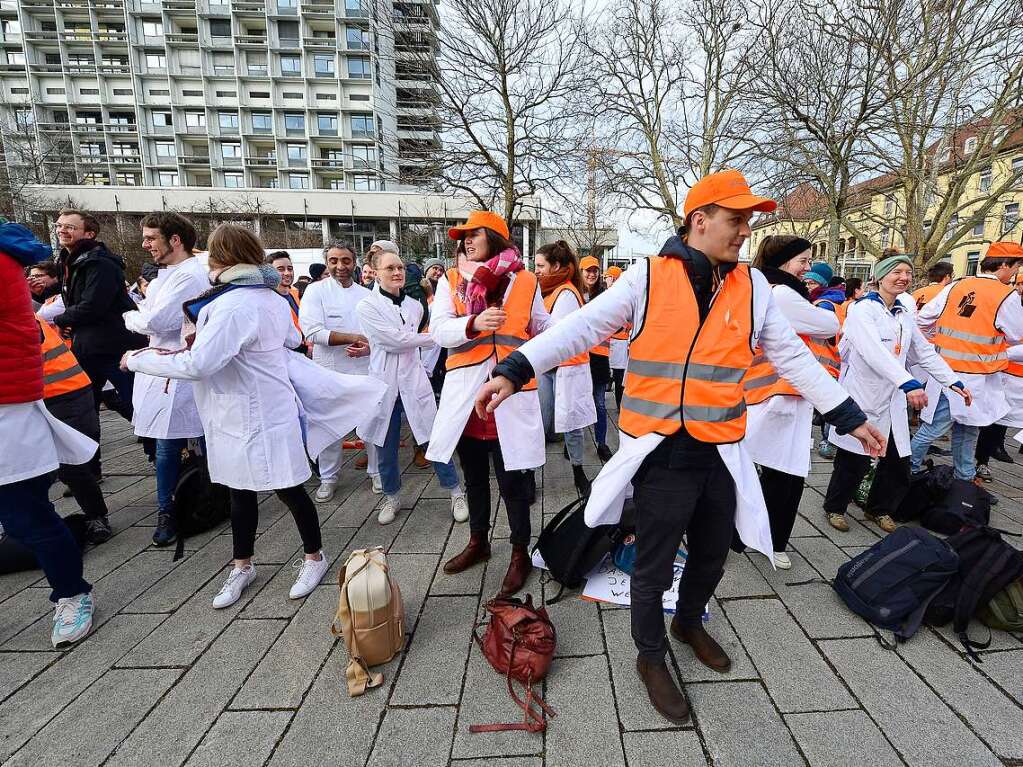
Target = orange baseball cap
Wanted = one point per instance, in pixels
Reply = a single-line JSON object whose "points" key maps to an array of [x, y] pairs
{"points": [[613, 271], [588, 262], [477, 219], [1004, 250], [728, 189]]}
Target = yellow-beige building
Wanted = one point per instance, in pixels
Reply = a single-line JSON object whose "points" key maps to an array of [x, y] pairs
{"points": [[878, 200]]}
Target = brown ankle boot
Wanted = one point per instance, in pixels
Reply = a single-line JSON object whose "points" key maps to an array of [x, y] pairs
{"points": [[705, 648], [476, 550], [518, 570], [663, 691]]}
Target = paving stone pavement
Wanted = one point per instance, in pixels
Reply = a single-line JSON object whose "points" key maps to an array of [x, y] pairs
{"points": [[166, 680]]}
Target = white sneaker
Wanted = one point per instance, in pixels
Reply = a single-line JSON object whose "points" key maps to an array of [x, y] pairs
{"points": [[378, 489], [72, 619], [310, 573], [459, 507], [782, 561], [325, 492], [233, 587], [388, 510]]}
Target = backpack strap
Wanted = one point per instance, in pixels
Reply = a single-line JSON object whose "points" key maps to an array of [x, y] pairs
{"points": [[971, 591], [532, 721]]}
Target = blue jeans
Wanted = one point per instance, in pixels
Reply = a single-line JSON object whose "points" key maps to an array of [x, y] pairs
{"points": [[545, 392], [168, 469], [600, 428], [390, 472], [964, 441], [28, 516]]}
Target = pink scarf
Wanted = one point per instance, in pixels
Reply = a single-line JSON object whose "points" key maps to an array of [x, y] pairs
{"points": [[486, 277]]}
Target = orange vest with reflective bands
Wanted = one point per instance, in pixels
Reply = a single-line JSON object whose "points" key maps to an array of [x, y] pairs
{"points": [[680, 369], [509, 337], [1015, 369], [549, 301], [61, 371], [762, 380], [966, 336], [824, 348], [925, 294]]}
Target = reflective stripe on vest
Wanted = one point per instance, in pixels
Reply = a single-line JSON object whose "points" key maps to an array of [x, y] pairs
{"points": [[679, 369], [966, 336], [552, 298], [603, 349], [510, 336], [762, 381], [61, 372]]}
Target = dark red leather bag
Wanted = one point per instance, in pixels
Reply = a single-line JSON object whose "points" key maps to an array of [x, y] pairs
{"points": [[519, 643]]}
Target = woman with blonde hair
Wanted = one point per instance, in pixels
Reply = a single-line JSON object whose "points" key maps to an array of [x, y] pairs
{"points": [[246, 401]]}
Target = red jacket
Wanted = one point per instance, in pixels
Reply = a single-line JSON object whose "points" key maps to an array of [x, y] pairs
{"points": [[21, 362]]}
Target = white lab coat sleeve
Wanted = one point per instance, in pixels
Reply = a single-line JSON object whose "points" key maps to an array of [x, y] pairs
{"points": [[1009, 319], [294, 338], [312, 317], [861, 332], [793, 360], [162, 313], [216, 344], [385, 333], [539, 319], [805, 318], [921, 352], [928, 315], [584, 328], [446, 327]]}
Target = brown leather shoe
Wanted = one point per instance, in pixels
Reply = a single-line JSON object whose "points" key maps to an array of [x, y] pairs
{"points": [[362, 461], [476, 551], [420, 459], [705, 648], [663, 691], [518, 570]]}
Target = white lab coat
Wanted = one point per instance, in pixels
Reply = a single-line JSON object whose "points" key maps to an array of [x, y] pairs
{"points": [[519, 425], [52, 308], [573, 386], [619, 355], [35, 442], [394, 342], [327, 306], [989, 401], [625, 301], [165, 408], [1013, 387], [248, 406], [779, 430], [872, 370]]}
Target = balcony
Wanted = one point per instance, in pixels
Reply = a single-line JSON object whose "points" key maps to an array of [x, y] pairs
{"points": [[121, 128], [38, 36], [320, 163], [73, 4], [359, 12], [250, 40], [182, 38], [249, 7], [172, 6], [85, 128], [126, 159], [196, 159], [108, 5], [112, 37], [54, 127], [318, 9], [261, 162], [82, 69], [114, 69], [90, 159]]}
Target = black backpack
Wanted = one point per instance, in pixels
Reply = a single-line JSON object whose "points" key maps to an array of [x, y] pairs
{"points": [[891, 584], [199, 504], [963, 505], [571, 549], [926, 488], [987, 564]]}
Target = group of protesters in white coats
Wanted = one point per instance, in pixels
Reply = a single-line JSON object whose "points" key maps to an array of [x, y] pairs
{"points": [[717, 368]]}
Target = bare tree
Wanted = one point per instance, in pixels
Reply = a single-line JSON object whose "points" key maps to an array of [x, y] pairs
{"points": [[31, 156], [507, 70]]}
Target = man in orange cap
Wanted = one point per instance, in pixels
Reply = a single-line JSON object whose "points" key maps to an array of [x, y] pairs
{"points": [[697, 314]]}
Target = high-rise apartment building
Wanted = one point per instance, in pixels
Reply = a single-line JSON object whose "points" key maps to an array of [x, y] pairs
{"points": [[290, 94]]}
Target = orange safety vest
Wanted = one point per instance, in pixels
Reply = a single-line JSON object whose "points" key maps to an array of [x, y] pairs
{"points": [[824, 349], [682, 370], [925, 294], [549, 300], [966, 336], [762, 381], [61, 372], [509, 337], [1015, 369], [295, 295]]}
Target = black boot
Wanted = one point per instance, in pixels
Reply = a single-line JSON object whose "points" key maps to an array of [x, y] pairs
{"points": [[604, 453], [582, 484], [166, 531]]}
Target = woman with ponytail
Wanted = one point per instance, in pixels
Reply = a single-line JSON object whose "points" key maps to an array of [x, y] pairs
{"points": [[567, 391]]}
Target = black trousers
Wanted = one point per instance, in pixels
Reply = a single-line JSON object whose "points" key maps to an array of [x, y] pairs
{"points": [[891, 481], [989, 440], [618, 376], [476, 455], [670, 503], [77, 410], [781, 494], [245, 518]]}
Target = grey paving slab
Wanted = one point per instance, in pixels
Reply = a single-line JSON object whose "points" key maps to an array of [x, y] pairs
{"points": [[578, 625], [741, 579], [579, 690], [85, 732], [997, 719], [170, 732], [435, 665], [664, 749], [917, 722], [412, 736], [23, 609], [841, 739], [17, 668], [11, 584], [740, 726], [426, 529], [511, 761], [1006, 669], [466, 582], [240, 737], [796, 676], [723, 632], [822, 554], [191, 574]]}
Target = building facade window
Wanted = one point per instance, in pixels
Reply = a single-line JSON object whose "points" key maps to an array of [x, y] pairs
{"points": [[972, 259], [298, 181], [156, 61], [363, 156], [359, 68], [326, 125], [262, 122], [152, 28], [228, 122], [364, 183], [294, 124], [230, 151], [323, 65], [233, 180], [195, 119], [1010, 217], [167, 178], [985, 180], [165, 149], [291, 65], [978, 229], [362, 126]]}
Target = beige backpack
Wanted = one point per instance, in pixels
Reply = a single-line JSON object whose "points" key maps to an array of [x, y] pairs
{"points": [[370, 616]]}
